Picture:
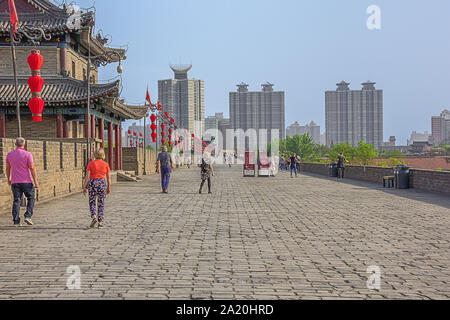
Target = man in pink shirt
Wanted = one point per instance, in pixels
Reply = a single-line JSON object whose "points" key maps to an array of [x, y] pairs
{"points": [[19, 171]]}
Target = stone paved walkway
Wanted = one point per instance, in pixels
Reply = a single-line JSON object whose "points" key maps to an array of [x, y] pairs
{"points": [[277, 238]]}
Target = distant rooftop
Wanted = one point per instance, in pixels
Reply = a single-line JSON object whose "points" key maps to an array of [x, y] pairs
{"points": [[181, 70]]}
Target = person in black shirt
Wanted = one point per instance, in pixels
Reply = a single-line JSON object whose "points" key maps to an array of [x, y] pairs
{"points": [[341, 165], [206, 170], [294, 161]]}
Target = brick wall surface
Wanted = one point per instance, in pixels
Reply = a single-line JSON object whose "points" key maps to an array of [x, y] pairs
{"points": [[54, 181], [133, 160], [426, 180], [33, 130], [51, 60]]}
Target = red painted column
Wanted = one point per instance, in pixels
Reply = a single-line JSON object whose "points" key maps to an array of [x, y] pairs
{"points": [[116, 150], [86, 133], [110, 144], [101, 132], [93, 128], [120, 147], [2, 125], [65, 129], [75, 129], [59, 126]]}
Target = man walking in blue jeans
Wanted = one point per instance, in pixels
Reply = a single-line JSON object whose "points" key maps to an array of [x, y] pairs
{"points": [[294, 162], [164, 165], [19, 171]]}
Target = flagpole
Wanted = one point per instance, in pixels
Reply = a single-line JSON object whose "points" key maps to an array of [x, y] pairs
{"points": [[16, 84], [145, 136]]}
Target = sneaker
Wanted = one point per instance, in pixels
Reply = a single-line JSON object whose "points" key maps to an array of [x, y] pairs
{"points": [[93, 223], [17, 225], [100, 225], [28, 221]]}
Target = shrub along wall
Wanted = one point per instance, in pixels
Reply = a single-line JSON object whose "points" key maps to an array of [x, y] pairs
{"points": [[426, 180]]}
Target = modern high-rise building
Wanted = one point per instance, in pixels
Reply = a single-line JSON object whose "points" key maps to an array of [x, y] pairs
{"points": [[312, 129], [441, 128], [354, 115], [258, 110], [184, 99], [217, 124]]}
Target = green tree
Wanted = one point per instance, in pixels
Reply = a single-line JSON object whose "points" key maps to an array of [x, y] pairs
{"points": [[346, 148], [306, 147], [365, 153]]}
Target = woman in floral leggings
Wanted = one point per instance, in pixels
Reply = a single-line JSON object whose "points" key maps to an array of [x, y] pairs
{"points": [[96, 172]]}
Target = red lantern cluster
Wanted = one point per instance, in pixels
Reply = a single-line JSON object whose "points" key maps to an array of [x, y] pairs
{"points": [[154, 127], [35, 82]]}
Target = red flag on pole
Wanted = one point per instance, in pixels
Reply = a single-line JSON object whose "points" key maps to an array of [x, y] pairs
{"points": [[148, 98], [13, 16]]}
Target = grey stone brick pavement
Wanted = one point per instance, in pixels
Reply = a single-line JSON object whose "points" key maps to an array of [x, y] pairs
{"points": [[266, 238]]}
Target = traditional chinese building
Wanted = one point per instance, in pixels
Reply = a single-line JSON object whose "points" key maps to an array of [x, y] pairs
{"points": [[65, 90]]}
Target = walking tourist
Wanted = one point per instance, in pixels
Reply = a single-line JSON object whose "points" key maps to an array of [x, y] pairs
{"points": [[341, 165], [98, 188], [21, 173], [299, 163], [206, 170], [164, 166], [293, 160], [281, 163], [187, 160], [230, 160]]}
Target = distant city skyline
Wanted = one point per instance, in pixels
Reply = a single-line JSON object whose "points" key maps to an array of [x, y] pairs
{"points": [[311, 46]]}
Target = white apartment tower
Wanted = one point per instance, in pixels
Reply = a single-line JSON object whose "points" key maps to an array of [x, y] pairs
{"points": [[258, 110], [184, 99], [354, 115]]}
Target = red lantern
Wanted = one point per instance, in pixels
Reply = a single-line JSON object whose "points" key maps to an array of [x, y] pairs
{"points": [[154, 136], [167, 115], [172, 120], [163, 126], [153, 118], [129, 132], [35, 83], [163, 133], [170, 130], [170, 143], [36, 106], [159, 106], [140, 135], [35, 61], [163, 141], [153, 127], [135, 134], [170, 137]]}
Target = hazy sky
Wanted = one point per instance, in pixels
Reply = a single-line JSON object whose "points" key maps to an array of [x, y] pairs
{"points": [[303, 47]]}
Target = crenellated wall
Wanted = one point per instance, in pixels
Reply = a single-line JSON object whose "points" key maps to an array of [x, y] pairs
{"points": [[133, 160], [425, 180]]}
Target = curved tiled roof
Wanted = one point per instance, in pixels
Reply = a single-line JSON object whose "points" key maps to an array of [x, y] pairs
{"points": [[57, 90], [48, 16], [65, 91]]}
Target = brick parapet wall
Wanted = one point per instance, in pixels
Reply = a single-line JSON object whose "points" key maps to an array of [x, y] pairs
{"points": [[58, 173], [425, 180], [133, 160]]}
